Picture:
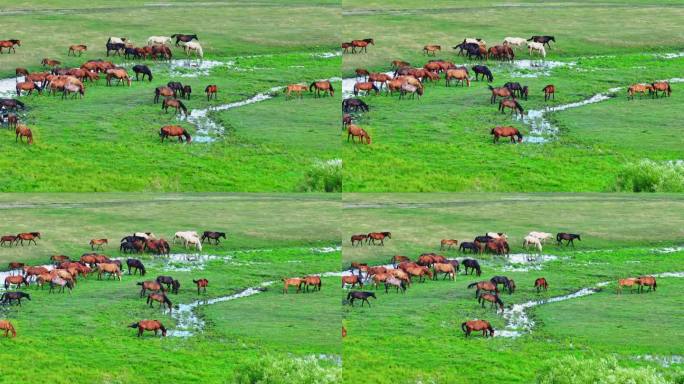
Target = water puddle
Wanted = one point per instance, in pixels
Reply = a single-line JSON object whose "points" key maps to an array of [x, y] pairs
{"points": [[5, 274], [536, 68], [193, 67], [664, 361], [8, 86]]}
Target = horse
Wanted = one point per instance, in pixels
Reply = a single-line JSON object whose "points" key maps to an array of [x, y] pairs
{"points": [[460, 74], [513, 105], [568, 237], [662, 86], [162, 50], [362, 73], [499, 91], [163, 91], [149, 325], [407, 88], [62, 283], [28, 236], [6, 326], [119, 74], [11, 104], [28, 87], [465, 46], [448, 243], [494, 299], [367, 87], [15, 280], [640, 89], [393, 282], [544, 40], [428, 49], [7, 239], [360, 295], [352, 280], [517, 41], [496, 280], [295, 88], [149, 285], [540, 284], [209, 236], [77, 48], [648, 281], [483, 286], [175, 130], [425, 260], [161, 40], [345, 46], [399, 63], [97, 242], [131, 246], [506, 131], [628, 282], [314, 281], [108, 268], [373, 236], [420, 272], [542, 236], [468, 246], [356, 131], [536, 47], [292, 281], [531, 240], [137, 265], [181, 38], [171, 284], [358, 239], [396, 259], [8, 297], [144, 70], [161, 298], [549, 92], [174, 103], [201, 284], [361, 44], [186, 92], [515, 88], [16, 266], [160, 247], [324, 86], [50, 62], [477, 325], [446, 268], [23, 131], [354, 105], [473, 265], [211, 91], [347, 119], [9, 44], [193, 47], [484, 71], [117, 48]]}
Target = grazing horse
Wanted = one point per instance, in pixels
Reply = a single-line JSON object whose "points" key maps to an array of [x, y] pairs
{"points": [[144, 70], [352, 280], [544, 40], [549, 92], [536, 47], [209, 236], [466, 245], [97, 242], [373, 236], [149, 325], [662, 86], [8, 297], [28, 87], [181, 38], [361, 44], [641, 89], [531, 240], [9, 44], [325, 86], [174, 130], [137, 265], [77, 48], [407, 88], [568, 237], [201, 284], [163, 91], [149, 285], [161, 298], [648, 281], [362, 73], [211, 91], [540, 284], [50, 62], [513, 105], [628, 282], [473, 265], [507, 131], [356, 131], [161, 40], [354, 105], [494, 299], [366, 87], [399, 63], [347, 119], [360, 295], [62, 283], [21, 132], [292, 281], [295, 88], [171, 283], [420, 272], [515, 88], [484, 71], [193, 47], [448, 243], [160, 247], [517, 41], [118, 73], [358, 239], [460, 74], [477, 325], [15, 280], [483, 286], [174, 103], [446, 268], [6, 326], [28, 236], [431, 49], [499, 91], [314, 281], [108, 268], [392, 281], [496, 280]]}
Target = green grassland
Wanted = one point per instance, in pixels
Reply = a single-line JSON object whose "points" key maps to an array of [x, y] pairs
{"points": [[442, 141], [417, 337], [108, 141], [269, 237]]}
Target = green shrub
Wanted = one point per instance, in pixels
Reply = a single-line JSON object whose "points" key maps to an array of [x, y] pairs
{"points": [[323, 177], [278, 370], [650, 176], [570, 370]]}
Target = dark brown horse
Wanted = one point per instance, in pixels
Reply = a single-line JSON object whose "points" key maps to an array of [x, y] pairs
{"points": [[549, 92], [358, 239], [507, 131], [174, 103], [181, 38], [322, 86], [175, 130], [163, 91], [498, 91], [513, 105]]}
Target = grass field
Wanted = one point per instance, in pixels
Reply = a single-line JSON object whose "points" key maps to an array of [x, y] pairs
{"points": [[442, 141], [416, 337], [110, 138], [269, 237]]}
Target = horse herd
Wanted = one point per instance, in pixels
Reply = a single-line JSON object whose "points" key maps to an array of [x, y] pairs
{"points": [[63, 273], [157, 47]]}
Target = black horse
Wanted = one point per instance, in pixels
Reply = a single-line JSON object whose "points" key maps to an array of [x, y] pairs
{"points": [[131, 53], [474, 51], [183, 38], [525, 92], [116, 47], [569, 237], [466, 245], [137, 265], [186, 91], [354, 105], [132, 239], [11, 104], [128, 247], [484, 239], [8, 297], [171, 283], [360, 295], [496, 280], [542, 39], [484, 71], [515, 88], [464, 47], [473, 265], [176, 87], [209, 236], [144, 70]]}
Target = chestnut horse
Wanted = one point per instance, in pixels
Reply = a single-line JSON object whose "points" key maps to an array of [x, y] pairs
{"points": [[460, 74], [15, 280], [446, 268], [97, 242], [662, 86], [23, 131], [296, 88], [628, 282], [149, 325], [356, 131], [420, 272], [119, 74], [6, 326], [174, 103], [494, 299], [314, 281], [28, 236], [549, 92], [50, 63], [9, 44], [174, 130], [163, 91], [211, 91], [448, 243], [77, 48], [29, 87], [351, 280], [648, 281], [361, 44], [507, 131], [161, 298], [149, 285], [513, 105], [373, 236], [365, 86], [640, 89], [362, 73], [477, 325], [428, 49], [292, 281], [201, 284], [483, 286], [323, 86], [109, 268], [498, 91], [540, 284]]}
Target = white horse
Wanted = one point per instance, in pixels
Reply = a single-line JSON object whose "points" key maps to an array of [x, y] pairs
{"points": [[495, 235], [472, 40], [146, 235], [164, 40], [117, 40], [184, 235], [517, 41], [542, 236], [531, 240], [194, 241], [193, 46], [536, 47]]}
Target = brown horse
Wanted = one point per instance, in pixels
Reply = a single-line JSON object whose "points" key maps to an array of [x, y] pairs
{"points": [[428, 49], [149, 325], [498, 91], [97, 242], [448, 243], [399, 64], [16, 266], [401, 275], [28, 236], [411, 89], [163, 91], [15, 280], [174, 103], [118, 73], [109, 268], [174, 130], [513, 105], [211, 91], [641, 89], [10, 239], [9, 44], [377, 77], [494, 299], [419, 272], [380, 278], [363, 73], [477, 325], [540, 284], [6, 326], [77, 48], [366, 87], [507, 131], [161, 298], [346, 46], [351, 280], [314, 281], [201, 284], [628, 282], [373, 236], [483, 286], [28, 87], [376, 270], [50, 63], [459, 74], [549, 92], [150, 285], [361, 44], [662, 86], [292, 281], [23, 131], [445, 268], [356, 131], [296, 88], [325, 86], [358, 239], [58, 259], [648, 281], [396, 259]]}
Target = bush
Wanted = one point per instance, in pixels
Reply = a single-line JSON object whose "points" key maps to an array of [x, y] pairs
{"points": [[273, 370], [650, 176], [570, 370], [323, 177]]}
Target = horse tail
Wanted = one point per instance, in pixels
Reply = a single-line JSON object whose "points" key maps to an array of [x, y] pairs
{"points": [[139, 283], [188, 139], [348, 295], [491, 133], [490, 87], [472, 285], [517, 105], [20, 104], [311, 86], [183, 107], [463, 327]]}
